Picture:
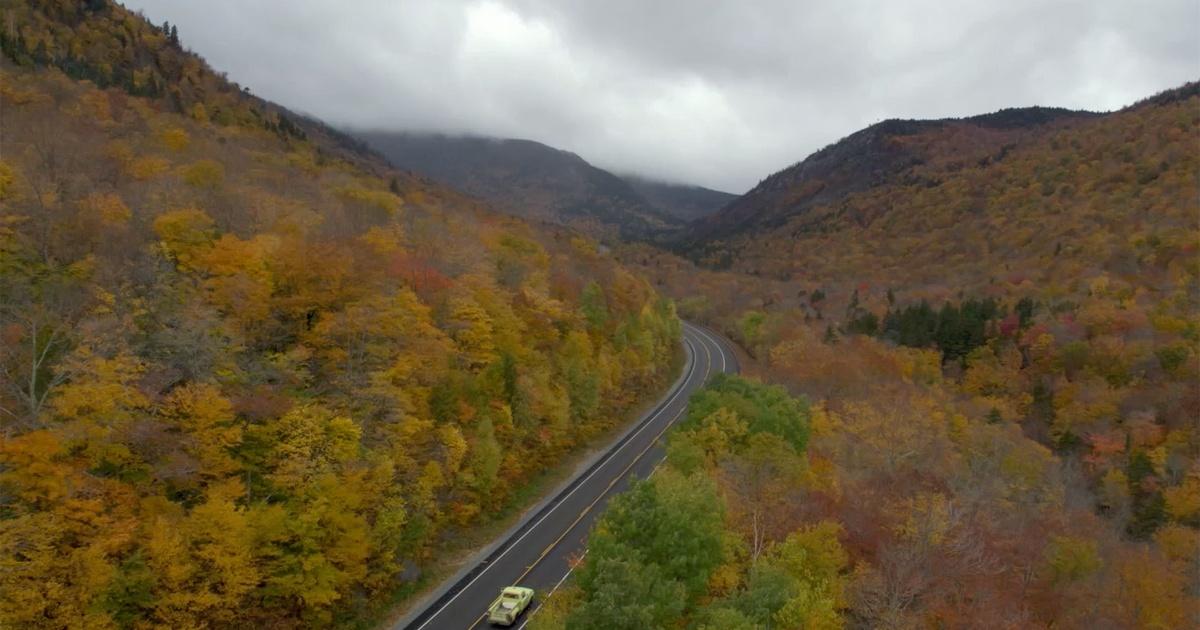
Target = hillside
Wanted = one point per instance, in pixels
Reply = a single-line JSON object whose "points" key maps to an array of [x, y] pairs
{"points": [[1074, 240], [893, 152], [948, 203], [249, 374], [990, 345], [686, 203], [531, 180]]}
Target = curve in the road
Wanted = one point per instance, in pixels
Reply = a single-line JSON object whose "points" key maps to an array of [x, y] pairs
{"points": [[539, 551]]}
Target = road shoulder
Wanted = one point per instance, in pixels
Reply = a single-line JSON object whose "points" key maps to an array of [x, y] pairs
{"points": [[417, 606]]}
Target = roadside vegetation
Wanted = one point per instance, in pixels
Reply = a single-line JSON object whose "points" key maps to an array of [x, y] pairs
{"points": [[1001, 356], [249, 375]]}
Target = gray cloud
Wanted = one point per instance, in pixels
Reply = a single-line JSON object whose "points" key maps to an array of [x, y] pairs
{"points": [[715, 92]]}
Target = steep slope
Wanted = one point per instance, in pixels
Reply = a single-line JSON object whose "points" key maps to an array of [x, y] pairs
{"points": [[964, 203], [1082, 229], [686, 203], [996, 331], [530, 180], [893, 152], [250, 376], [100, 42]]}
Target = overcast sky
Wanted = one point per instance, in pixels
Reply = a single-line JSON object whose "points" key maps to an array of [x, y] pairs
{"points": [[714, 92]]}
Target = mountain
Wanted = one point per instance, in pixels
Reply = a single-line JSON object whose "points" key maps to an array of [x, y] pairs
{"points": [[250, 374], [531, 180], [990, 326], [686, 203], [962, 201], [892, 151], [1049, 258]]}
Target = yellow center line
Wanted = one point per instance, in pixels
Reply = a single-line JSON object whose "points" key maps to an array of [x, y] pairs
{"points": [[591, 505], [611, 483], [708, 355], [585, 511], [617, 478]]}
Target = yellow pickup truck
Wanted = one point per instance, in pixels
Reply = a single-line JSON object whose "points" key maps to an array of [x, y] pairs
{"points": [[512, 602]]}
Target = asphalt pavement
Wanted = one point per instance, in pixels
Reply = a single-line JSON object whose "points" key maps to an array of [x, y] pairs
{"points": [[538, 552]]}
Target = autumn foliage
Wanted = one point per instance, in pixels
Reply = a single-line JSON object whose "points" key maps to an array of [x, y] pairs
{"points": [[1001, 344], [249, 377]]}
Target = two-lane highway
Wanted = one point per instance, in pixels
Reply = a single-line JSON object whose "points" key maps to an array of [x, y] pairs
{"points": [[537, 553]]}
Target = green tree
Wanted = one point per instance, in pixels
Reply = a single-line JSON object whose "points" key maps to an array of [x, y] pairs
{"points": [[672, 523], [580, 375], [485, 458], [764, 408], [594, 306], [623, 593]]}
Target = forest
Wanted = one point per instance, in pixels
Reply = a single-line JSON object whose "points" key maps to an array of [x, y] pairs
{"points": [[251, 375], [248, 375], [881, 498], [1001, 369]]}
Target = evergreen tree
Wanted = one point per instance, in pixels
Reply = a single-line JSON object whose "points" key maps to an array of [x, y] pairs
{"points": [[1024, 310], [865, 324], [594, 305]]}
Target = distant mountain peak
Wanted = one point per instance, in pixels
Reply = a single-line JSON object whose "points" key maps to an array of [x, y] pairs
{"points": [[867, 157], [1019, 117], [1167, 97], [533, 180]]}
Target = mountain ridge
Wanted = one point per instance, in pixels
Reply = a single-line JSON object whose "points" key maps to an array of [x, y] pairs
{"points": [[684, 201], [537, 181], [857, 162], [251, 375]]}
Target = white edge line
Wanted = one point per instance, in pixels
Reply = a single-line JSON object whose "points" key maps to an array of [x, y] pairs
{"points": [[581, 483], [658, 465], [720, 350], [571, 568], [566, 575]]}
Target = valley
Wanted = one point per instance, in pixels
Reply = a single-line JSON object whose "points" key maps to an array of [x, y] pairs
{"points": [[257, 369]]}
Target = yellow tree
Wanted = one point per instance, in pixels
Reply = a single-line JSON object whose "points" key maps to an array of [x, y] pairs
{"points": [[61, 538], [239, 280], [814, 558], [309, 441], [99, 403], [185, 234], [471, 328], [204, 561], [208, 420]]}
